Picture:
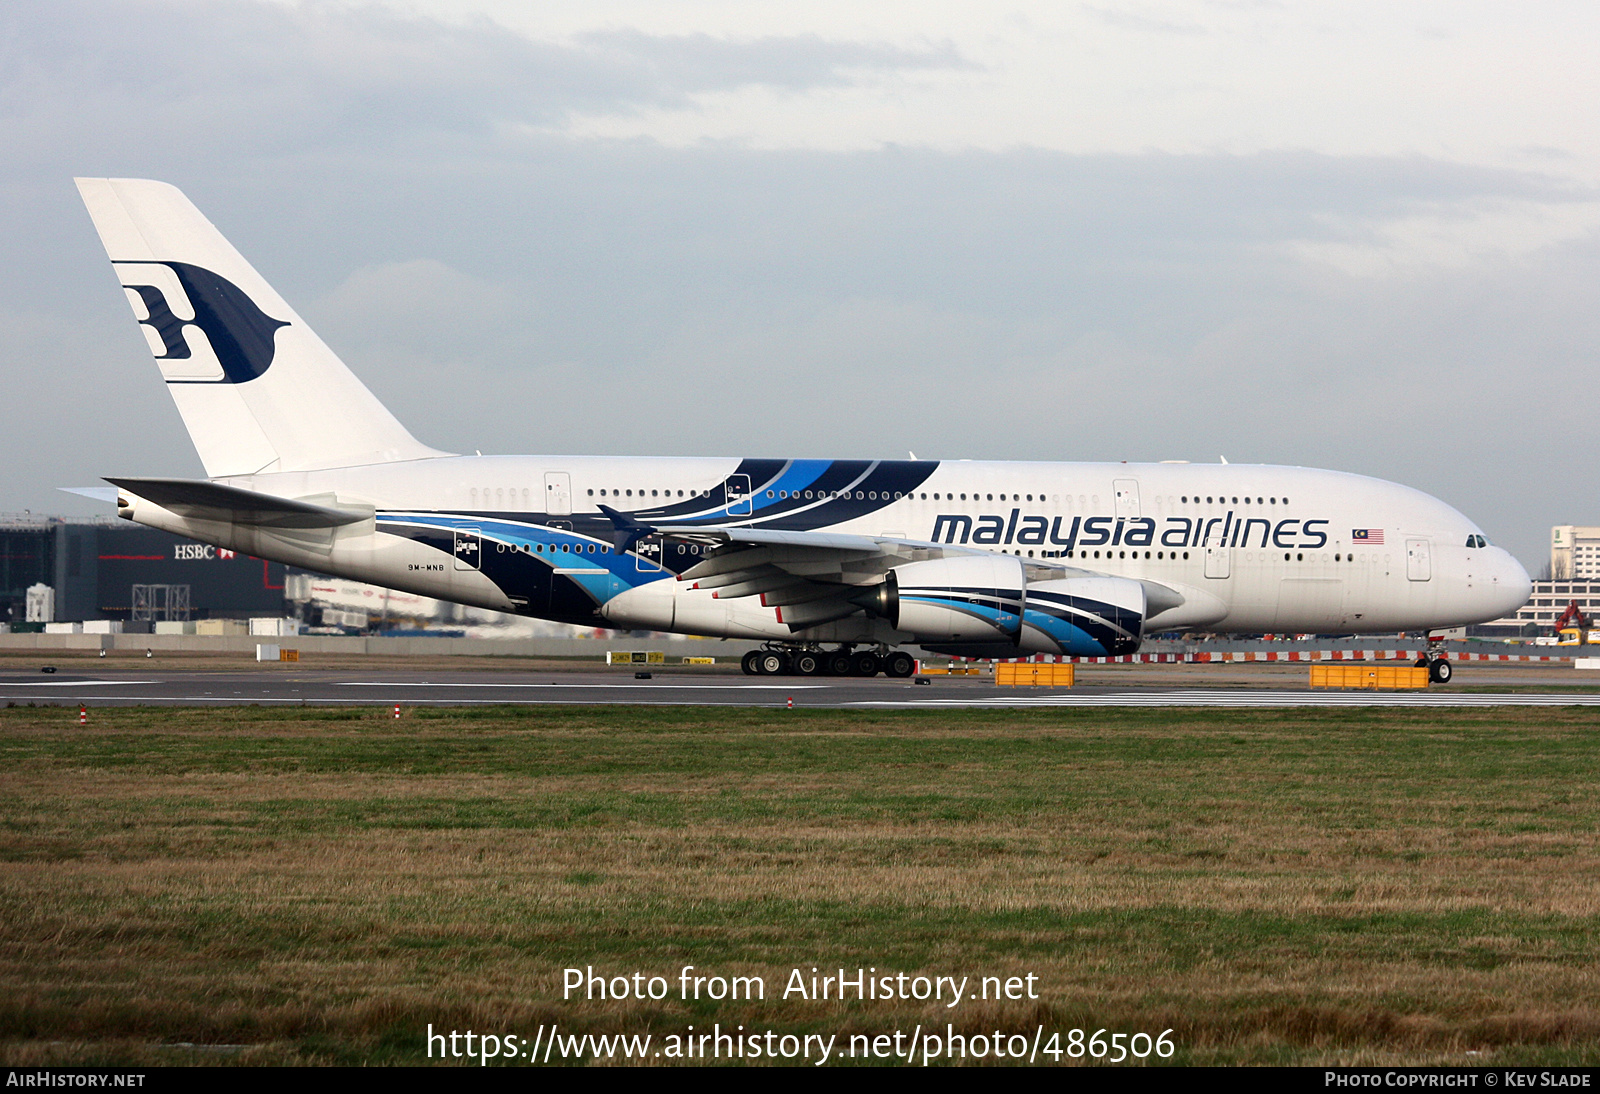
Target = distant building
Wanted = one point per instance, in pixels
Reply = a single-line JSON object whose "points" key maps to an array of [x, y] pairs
{"points": [[1548, 600], [106, 569], [1574, 551]]}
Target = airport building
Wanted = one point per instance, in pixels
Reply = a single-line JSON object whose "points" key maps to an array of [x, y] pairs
{"points": [[1574, 552], [1550, 598], [111, 569]]}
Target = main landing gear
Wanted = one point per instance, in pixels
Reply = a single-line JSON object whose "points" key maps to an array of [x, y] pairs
{"points": [[1437, 661], [844, 661]]}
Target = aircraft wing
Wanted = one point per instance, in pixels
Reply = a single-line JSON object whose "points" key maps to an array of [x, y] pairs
{"points": [[809, 577], [818, 577]]}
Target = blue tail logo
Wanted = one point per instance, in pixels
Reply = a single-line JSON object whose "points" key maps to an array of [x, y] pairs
{"points": [[241, 334]]}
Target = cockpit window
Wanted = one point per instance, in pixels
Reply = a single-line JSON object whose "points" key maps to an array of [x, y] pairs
{"points": [[1477, 541]]}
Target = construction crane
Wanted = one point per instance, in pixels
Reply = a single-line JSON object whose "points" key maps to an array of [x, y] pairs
{"points": [[1571, 626]]}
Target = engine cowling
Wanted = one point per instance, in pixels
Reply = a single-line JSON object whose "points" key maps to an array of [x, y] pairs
{"points": [[969, 598], [1084, 616], [984, 606]]}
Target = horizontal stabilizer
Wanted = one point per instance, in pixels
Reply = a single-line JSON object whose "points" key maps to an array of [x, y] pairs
{"points": [[107, 494], [197, 499]]}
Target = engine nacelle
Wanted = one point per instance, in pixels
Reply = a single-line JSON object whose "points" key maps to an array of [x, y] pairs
{"points": [[1084, 616], [969, 598], [984, 606]]}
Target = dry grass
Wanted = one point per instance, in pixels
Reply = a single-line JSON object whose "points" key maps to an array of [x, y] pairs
{"points": [[1378, 887]]}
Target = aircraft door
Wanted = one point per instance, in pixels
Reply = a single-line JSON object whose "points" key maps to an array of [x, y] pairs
{"points": [[558, 493], [1217, 561], [647, 557], [469, 549], [739, 495], [1419, 561], [1127, 491]]}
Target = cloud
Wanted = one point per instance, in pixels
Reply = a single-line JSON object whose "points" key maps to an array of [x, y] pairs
{"points": [[1407, 317], [1130, 20], [253, 77], [690, 63]]}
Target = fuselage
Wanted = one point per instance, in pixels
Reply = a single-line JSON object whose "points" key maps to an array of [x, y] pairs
{"points": [[1248, 548]]}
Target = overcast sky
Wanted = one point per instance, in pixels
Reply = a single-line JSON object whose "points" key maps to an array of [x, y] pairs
{"points": [[1345, 235]]}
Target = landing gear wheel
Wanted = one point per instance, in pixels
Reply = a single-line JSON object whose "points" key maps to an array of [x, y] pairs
{"points": [[1441, 671], [899, 664], [807, 664], [751, 663], [1421, 663], [864, 664], [837, 663], [769, 663]]}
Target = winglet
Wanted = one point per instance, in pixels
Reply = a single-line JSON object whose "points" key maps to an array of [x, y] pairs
{"points": [[626, 531]]}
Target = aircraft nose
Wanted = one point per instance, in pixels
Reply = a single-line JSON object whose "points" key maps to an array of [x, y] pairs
{"points": [[1510, 585]]}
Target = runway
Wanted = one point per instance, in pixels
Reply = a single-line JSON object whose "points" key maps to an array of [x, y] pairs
{"points": [[330, 687]]}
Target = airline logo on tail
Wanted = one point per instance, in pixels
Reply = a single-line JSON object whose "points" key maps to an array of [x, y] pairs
{"points": [[202, 328]]}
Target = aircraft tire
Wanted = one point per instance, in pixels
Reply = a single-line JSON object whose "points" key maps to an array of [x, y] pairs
{"points": [[899, 664], [837, 663], [750, 663], [864, 663], [807, 664], [1441, 671], [1421, 663], [773, 664]]}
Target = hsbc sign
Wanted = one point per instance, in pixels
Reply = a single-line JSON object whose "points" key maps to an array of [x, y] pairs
{"points": [[198, 552]]}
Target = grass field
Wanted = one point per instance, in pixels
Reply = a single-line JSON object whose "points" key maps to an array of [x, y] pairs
{"points": [[320, 885]]}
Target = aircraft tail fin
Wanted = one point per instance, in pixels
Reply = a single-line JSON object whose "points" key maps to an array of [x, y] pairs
{"points": [[257, 389]]}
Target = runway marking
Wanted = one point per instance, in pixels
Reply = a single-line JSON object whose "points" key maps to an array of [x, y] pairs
{"points": [[263, 700], [1261, 698], [658, 697], [638, 685], [75, 683]]}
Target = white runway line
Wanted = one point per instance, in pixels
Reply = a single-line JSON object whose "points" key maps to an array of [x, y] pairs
{"points": [[637, 685], [267, 700], [1250, 699], [75, 683]]}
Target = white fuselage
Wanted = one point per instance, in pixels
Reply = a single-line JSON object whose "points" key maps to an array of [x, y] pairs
{"points": [[1249, 548]]}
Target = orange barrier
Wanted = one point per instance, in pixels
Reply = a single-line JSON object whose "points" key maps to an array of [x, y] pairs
{"points": [[1368, 676], [1042, 674]]}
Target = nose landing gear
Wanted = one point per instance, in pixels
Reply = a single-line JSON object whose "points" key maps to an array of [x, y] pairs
{"points": [[1437, 661]]}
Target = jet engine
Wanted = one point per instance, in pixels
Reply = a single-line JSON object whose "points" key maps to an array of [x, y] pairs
{"points": [[984, 606], [970, 598], [1084, 616]]}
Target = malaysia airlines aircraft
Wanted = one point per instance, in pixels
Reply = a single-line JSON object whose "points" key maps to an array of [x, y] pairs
{"points": [[834, 564]]}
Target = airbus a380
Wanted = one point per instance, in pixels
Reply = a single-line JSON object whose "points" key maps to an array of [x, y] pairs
{"points": [[834, 564]]}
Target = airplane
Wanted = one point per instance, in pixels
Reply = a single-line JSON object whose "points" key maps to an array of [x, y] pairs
{"points": [[834, 565]]}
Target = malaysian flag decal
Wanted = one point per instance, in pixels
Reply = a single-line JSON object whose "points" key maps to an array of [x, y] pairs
{"points": [[1370, 536]]}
